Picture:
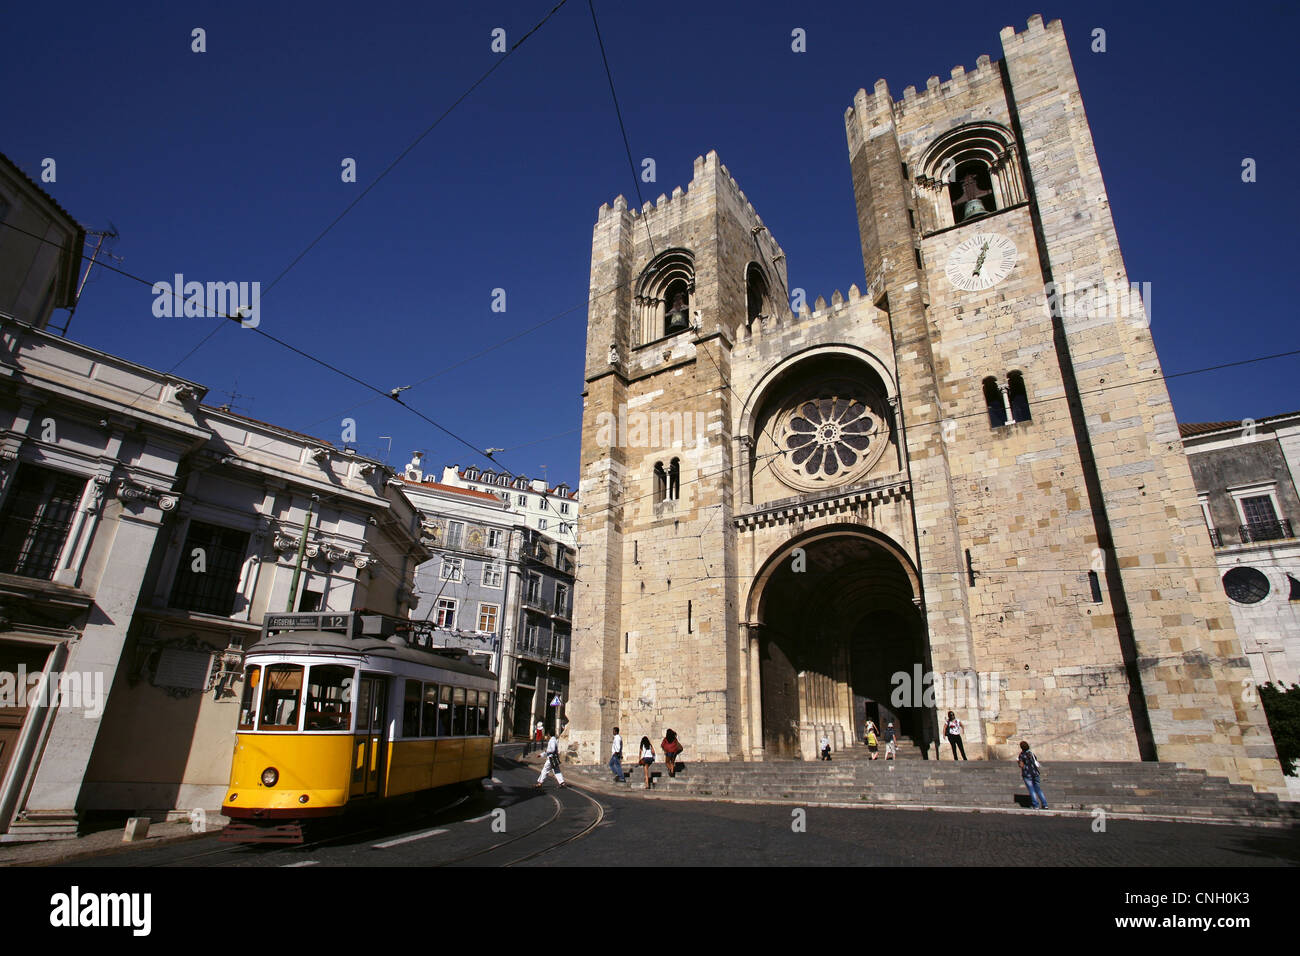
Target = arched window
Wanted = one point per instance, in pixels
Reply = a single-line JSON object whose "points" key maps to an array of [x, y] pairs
{"points": [[664, 296], [997, 409], [966, 173], [661, 482], [674, 480], [1018, 396], [755, 293]]}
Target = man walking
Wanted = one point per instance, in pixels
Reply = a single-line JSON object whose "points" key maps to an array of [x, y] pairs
{"points": [[1030, 771], [551, 762], [891, 742], [616, 757]]}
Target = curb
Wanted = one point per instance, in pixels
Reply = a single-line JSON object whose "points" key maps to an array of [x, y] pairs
{"points": [[76, 855], [933, 808]]}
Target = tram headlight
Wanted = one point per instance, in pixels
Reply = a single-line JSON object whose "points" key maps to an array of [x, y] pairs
{"points": [[270, 776]]}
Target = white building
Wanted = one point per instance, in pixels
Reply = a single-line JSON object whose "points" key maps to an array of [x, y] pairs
{"points": [[552, 511], [1247, 474]]}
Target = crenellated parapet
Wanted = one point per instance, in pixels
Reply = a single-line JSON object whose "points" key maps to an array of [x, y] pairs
{"points": [[840, 306], [882, 108]]}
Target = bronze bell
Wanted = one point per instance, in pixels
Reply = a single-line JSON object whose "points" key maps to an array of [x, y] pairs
{"points": [[677, 315], [973, 208]]}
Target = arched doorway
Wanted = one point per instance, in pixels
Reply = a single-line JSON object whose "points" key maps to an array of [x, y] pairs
{"points": [[836, 617]]}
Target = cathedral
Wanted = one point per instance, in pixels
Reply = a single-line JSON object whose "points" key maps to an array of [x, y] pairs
{"points": [[958, 487]]}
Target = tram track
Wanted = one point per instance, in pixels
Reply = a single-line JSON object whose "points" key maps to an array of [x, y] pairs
{"points": [[245, 850], [599, 818], [244, 854]]}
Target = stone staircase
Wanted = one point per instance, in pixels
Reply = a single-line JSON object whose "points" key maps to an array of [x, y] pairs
{"points": [[1154, 790]]}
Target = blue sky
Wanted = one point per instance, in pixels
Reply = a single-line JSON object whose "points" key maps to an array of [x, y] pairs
{"points": [[225, 165]]}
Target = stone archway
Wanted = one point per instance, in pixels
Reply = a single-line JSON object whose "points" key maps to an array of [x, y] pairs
{"points": [[835, 617]]}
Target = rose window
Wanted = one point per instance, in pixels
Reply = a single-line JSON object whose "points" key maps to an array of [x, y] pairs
{"points": [[829, 435]]}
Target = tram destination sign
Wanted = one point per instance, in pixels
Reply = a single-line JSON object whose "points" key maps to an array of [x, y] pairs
{"points": [[309, 622]]}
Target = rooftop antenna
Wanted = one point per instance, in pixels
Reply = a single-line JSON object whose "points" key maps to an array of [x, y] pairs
{"points": [[101, 236], [387, 454], [544, 481], [232, 395]]}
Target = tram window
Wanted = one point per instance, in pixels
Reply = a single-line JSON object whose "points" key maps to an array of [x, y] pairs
{"points": [[458, 712], [329, 697], [280, 698], [430, 719], [444, 711], [472, 713], [483, 727], [411, 709], [248, 706]]}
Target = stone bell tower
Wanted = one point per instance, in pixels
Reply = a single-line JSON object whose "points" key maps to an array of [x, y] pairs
{"points": [[655, 603], [1039, 430]]}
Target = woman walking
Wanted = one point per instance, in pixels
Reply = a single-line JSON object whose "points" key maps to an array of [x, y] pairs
{"points": [[647, 758], [672, 748]]}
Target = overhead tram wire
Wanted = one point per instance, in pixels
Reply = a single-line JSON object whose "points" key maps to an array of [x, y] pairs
{"points": [[388, 169], [379, 392], [416, 142], [636, 180], [394, 394], [609, 76]]}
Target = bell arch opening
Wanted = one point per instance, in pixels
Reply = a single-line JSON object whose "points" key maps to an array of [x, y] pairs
{"points": [[840, 639]]}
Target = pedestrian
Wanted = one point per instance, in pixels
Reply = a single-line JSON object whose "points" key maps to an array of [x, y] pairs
{"points": [[826, 747], [551, 762], [616, 757], [869, 729], [891, 742], [873, 745], [672, 748], [1030, 771], [535, 739], [952, 730], [646, 759]]}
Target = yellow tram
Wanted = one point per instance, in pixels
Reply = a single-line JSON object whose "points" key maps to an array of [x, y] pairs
{"points": [[334, 715]]}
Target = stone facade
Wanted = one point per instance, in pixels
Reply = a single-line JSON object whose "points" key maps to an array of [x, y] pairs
{"points": [[181, 532], [962, 488]]}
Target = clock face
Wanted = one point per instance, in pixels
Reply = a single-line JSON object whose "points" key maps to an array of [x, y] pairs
{"points": [[981, 261]]}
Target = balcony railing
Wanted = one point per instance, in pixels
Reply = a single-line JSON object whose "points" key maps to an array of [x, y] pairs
{"points": [[541, 649], [1265, 531]]}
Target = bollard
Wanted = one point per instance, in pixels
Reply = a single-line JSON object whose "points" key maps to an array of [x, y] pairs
{"points": [[137, 828]]}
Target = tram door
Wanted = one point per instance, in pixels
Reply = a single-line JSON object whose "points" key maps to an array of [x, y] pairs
{"points": [[370, 745]]}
